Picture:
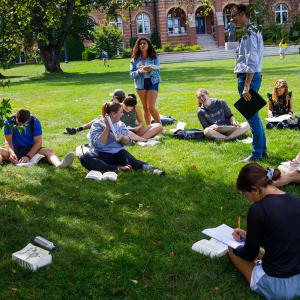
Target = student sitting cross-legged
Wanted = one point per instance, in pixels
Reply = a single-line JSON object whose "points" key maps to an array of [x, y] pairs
{"points": [[23, 135], [215, 113], [107, 152], [273, 235], [290, 175]]}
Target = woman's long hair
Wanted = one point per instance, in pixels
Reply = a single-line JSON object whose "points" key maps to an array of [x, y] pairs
{"points": [[109, 107], [255, 175], [279, 84], [136, 52]]}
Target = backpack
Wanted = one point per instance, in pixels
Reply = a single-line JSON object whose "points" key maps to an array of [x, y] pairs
{"points": [[167, 120], [12, 120], [189, 134]]}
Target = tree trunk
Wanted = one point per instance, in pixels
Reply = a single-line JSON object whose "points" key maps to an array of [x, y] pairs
{"points": [[50, 56]]}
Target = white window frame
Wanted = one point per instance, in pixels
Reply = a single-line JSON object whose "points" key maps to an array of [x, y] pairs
{"points": [[141, 20], [177, 26], [117, 22], [280, 9]]}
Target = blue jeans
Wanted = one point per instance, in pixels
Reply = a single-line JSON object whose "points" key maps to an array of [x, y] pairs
{"points": [[258, 133]]}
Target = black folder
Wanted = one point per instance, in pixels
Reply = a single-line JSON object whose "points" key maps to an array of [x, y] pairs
{"points": [[249, 108]]}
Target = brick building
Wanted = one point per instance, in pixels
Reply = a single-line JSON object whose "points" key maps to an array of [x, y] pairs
{"points": [[188, 23]]}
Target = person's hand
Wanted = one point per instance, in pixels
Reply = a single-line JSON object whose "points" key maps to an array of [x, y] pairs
{"points": [[126, 168], [246, 95], [106, 123], [13, 158], [147, 69], [294, 163], [24, 159], [261, 253], [290, 113], [236, 123], [270, 115], [239, 234], [140, 69], [213, 127], [119, 137]]}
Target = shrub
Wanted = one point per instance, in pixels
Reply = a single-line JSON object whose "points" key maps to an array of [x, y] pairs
{"points": [[126, 53], [178, 48], [276, 32], [167, 48], [295, 29], [89, 54], [108, 38], [155, 39], [193, 47]]}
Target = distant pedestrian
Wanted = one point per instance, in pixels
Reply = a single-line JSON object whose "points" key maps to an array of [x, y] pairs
{"points": [[104, 55], [282, 48]]}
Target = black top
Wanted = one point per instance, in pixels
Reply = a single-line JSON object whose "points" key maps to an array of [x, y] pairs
{"points": [[274, 224], [282, 106]]}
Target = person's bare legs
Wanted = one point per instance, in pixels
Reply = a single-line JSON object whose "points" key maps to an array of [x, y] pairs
{"points": [[143, 96], [151, 102], [287, 177], [244, 266], [243, 128], [54, 160], [213, 134], [150, 130], [135, 137]]}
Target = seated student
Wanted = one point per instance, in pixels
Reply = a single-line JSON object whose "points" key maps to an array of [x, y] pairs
{"points": [[214, 113], [24, 143], [132, 117], [273, 235], [292, 175], [280, 103], [107, 153], [117, 94]]}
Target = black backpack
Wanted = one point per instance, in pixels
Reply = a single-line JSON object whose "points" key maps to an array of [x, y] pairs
{"points": [[189, 134]]}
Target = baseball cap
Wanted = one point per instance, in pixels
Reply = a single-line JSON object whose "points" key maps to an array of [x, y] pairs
{"points": [[118, 93]]}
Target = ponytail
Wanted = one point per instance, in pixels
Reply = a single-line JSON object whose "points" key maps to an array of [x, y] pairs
{"points": [[109, 107], [255, 175]]}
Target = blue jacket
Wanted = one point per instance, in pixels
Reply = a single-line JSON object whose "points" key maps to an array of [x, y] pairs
{"points": [[139, 77]]}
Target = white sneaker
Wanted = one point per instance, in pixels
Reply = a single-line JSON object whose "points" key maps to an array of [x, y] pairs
{"points": [[67, 160]]}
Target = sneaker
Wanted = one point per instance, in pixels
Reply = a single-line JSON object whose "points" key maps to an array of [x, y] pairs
{"points": [[159, 172], [67, 160], [249, 159]]}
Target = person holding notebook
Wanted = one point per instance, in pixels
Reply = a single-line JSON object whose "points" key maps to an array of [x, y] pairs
{"points": [[273, 235], [214, 115], [248, 70]]}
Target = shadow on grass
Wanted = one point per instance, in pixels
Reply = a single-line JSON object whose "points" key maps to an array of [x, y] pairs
{"points": [[129, 239]]}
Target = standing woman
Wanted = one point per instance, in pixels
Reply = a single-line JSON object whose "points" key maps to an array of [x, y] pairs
{"points": [[273, 235], [144, 70]]}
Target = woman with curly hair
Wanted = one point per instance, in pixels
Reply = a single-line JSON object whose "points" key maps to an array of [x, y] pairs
{"points": [[144, 70], [280, 101]]}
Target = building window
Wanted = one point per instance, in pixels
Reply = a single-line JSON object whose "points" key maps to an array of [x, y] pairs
{"points": [[117, 22], [143, 24], [281, 14], [176, 21]]}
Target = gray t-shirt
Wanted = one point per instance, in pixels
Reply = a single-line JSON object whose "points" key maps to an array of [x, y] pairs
{"points": [[217, 113]]}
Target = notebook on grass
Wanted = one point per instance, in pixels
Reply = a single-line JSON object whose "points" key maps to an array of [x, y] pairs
{"points": [[249, 108]]}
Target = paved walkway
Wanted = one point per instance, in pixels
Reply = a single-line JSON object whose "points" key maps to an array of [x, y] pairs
{"points": [[221, 53]]}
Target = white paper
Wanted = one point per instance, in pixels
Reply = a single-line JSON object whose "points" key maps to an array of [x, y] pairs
{"points": [[211, 247], [279, 118], [33, 161], [223, 233], [111, 125], [149, 143]]}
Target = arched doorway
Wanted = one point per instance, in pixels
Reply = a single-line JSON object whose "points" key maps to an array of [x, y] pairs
{"points": [[176, 21], [204, 20]]}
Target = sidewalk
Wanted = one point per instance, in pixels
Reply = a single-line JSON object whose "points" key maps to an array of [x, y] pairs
{"points": [[185, 56]]}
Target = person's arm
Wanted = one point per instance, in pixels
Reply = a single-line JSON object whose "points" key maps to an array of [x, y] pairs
{"points": [[291, 105], [255, 221], [228, 113], [10, 148], [270, 109], [155, 72], [104, 134], [123, 137], [134, 71], [233, 121], [202, 119], [34, 149], [139, 116]]}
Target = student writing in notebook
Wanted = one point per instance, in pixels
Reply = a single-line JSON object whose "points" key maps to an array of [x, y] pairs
{"points": [[273, 233]]}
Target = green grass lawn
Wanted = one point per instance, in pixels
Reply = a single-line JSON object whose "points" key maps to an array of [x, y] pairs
{"points": [[130, 239]]}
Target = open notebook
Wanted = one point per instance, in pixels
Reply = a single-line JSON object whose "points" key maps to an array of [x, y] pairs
{"points": [[279, 118], [34, 160], [223, 234], [212, 248]]}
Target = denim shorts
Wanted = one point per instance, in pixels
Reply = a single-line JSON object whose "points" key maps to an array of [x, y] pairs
{"points": [[274, 287], [149, 86]]}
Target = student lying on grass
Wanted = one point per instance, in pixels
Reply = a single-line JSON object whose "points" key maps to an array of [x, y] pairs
{"points": [[107, 153], [273, 235], [213, 114], [132, 118], [292, 175], [23, 135]]}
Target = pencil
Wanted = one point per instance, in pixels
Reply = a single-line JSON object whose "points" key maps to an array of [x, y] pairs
{"points": [[239, 222]]}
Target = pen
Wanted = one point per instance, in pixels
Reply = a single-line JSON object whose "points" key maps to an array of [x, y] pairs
{"points": [[239, 222]]}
